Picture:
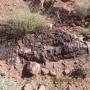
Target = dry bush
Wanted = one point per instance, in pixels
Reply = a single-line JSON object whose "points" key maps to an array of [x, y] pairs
{"points": [[18, 27], [35, 22]]}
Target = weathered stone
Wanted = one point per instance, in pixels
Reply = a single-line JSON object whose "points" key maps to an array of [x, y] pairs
{"points": [[31, 69], [44, 71], [66, 71], [28, 87], [34, 68], [52, 73], [42, 87]]}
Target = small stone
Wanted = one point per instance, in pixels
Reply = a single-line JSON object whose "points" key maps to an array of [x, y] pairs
{"points": [[52, 73], [26, 50], [31, 69], [34, 68], [28, 87], [44, 71], [65, 72], [42, 87]]}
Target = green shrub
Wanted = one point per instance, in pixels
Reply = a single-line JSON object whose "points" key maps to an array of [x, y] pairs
{"points": [[83, 7], [8, 84], [33, 22], [16, 28]]}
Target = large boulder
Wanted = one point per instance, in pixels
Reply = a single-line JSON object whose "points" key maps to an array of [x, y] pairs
{"points": [[31, 69]]}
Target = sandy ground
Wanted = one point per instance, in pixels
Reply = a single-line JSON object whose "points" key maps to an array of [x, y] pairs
{"points": [[12, 9]]}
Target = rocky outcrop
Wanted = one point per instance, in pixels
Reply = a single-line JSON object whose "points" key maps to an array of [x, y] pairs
{"points": [[52, 46]]}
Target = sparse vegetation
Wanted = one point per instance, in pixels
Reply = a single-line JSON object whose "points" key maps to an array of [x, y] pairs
{"points": [[13, 28], [78, 72], [38, 59], [35, 22], [8, 84], [18, 27]]}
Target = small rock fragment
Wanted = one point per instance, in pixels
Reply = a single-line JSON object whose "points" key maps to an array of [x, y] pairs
{"points": [[52, 73], [67, 71], [42, 87], [44, 71], [34, 68], [28, 87]]}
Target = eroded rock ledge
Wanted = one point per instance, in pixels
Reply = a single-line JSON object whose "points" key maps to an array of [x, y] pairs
{"points": [[51, 45], [40, 46]]}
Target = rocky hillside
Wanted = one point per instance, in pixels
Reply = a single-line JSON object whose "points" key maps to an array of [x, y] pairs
{"points": [[50, 51]]}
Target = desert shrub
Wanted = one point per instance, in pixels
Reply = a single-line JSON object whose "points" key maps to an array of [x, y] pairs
{"points": [[8, 84], [78, 72], [83, 7], [13, 29], [35, 22], [18, 27]]}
